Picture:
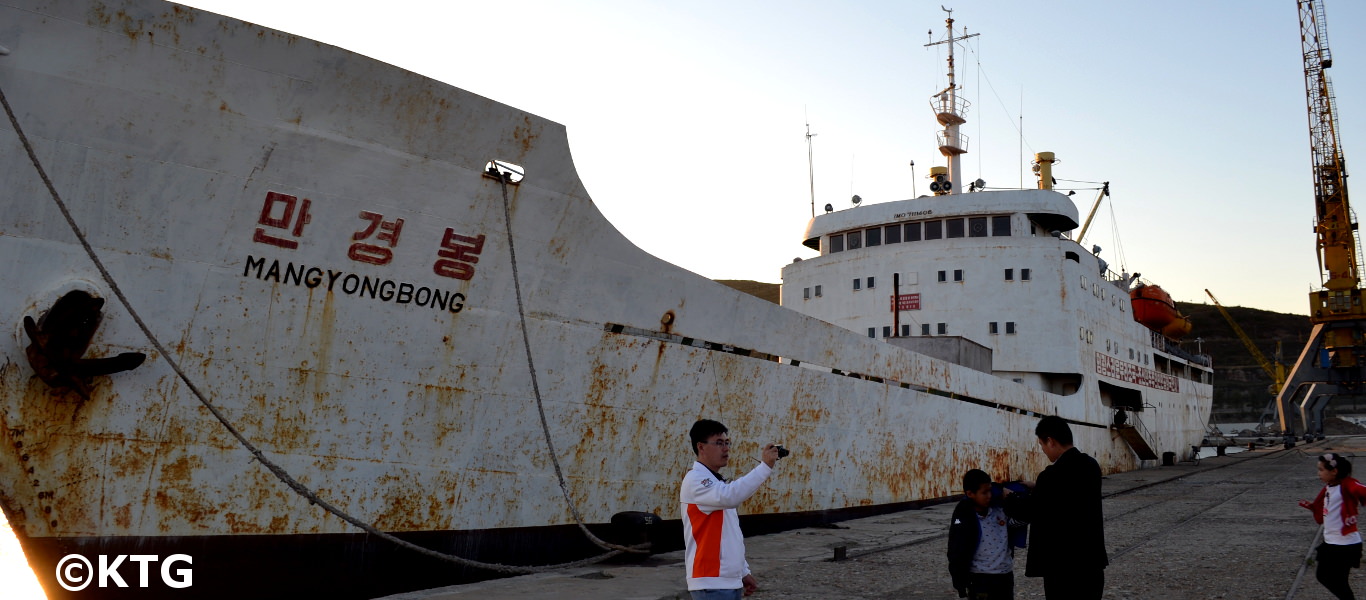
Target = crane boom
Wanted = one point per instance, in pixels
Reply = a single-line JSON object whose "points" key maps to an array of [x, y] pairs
{"points": [[1104, 191], [1277, 372], [1334, 225]]}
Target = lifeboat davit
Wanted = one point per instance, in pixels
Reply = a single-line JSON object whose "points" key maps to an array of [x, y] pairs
{"points": [[1153, 307]]}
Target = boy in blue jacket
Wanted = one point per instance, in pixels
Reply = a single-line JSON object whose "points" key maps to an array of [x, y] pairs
{"points": [[982, 543]]}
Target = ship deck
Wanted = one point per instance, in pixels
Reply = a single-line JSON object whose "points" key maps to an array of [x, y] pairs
{"points": [[1228, 527]]}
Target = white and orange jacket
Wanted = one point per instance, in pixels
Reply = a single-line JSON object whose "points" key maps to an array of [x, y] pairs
{"points": [[715, 548]]}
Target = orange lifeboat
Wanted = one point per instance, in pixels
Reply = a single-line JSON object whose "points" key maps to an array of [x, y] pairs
{"points": [[1178, 328], [1153, 307]]}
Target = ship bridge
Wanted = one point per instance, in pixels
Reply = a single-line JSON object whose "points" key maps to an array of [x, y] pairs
{"points": [[1048, 209]]}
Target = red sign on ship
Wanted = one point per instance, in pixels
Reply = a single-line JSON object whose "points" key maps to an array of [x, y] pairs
{"points": [[906, 302]]}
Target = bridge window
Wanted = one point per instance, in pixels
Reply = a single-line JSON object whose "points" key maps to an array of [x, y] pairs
{"points": [[977, 227], [854, 239], [955, 227], [934, 230], [892, 234], [912, 232], [837, 243], [1000, 226], [873, 237]]}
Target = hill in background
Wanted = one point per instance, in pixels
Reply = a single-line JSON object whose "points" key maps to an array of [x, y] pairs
{"points": [[1240, 384]]}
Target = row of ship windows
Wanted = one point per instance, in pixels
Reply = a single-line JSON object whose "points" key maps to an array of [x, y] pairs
{"points": [[862, 283], [920, 230], [993, 328], [1025, 275], [1089, 337], [1105, 292]]}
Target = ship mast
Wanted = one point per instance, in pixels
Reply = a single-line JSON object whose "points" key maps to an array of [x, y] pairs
{"points": [[949, 110], [810, 168]]}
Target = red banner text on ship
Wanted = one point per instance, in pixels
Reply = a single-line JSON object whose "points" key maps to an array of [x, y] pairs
{"points": [[1109, 366], [905, 302]]}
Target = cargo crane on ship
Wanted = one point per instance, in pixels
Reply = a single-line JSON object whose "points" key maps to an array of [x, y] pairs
{"points": [[1332, 359]]}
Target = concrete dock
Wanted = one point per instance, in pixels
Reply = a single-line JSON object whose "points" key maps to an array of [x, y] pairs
{"points": [[1228, 527]]}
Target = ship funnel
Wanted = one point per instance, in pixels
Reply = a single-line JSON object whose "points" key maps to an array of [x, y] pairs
{"points": [[1043, 168], [940, 183]]}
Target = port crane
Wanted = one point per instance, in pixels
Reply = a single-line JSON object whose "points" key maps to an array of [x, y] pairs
{"points": [[1277, 371], [1331, 362]]}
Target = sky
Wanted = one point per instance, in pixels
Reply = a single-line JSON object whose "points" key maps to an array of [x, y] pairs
{"points": [[687, 120]]}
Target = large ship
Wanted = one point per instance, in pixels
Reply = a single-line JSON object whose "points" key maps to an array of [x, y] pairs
{"points": [[288, 321]]}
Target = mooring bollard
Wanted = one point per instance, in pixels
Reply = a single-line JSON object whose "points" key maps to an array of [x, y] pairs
{"points": [[841, 552]]}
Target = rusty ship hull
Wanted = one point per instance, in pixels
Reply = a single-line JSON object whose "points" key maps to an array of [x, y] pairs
{"points": [[314, 239]]}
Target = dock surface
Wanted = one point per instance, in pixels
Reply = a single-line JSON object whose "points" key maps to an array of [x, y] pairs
{"points": [[1228, 527]]}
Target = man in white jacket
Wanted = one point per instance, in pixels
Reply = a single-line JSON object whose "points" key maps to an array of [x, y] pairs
{"points": [[715, 548]]}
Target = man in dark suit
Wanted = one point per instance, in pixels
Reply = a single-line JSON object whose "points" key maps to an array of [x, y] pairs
{"points": [[1067, 528]]}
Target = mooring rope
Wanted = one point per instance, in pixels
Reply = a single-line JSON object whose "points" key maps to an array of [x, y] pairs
{"points": [[277, 470], [503, 177]]}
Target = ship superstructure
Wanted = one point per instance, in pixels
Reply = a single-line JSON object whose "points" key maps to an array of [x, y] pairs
{"points": [[994, 281], [990, 280]]}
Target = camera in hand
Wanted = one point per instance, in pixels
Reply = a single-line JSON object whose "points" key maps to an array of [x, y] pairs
{"points": [[782, 452]]}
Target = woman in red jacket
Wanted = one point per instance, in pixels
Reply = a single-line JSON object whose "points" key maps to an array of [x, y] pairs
{"points": [[1336, 509]]}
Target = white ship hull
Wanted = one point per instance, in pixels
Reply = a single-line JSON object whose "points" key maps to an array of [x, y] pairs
{"points": [[400, 392]]}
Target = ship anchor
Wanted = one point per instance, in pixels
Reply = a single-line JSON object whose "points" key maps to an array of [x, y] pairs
{"points": [[60, 339]]}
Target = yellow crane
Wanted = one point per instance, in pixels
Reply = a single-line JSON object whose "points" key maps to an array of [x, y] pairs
{"points": [[1331, 361], [1334, 225], [1276, 371]]}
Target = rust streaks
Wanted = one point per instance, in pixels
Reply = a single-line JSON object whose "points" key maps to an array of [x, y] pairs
{"points": [[526, 135]]}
